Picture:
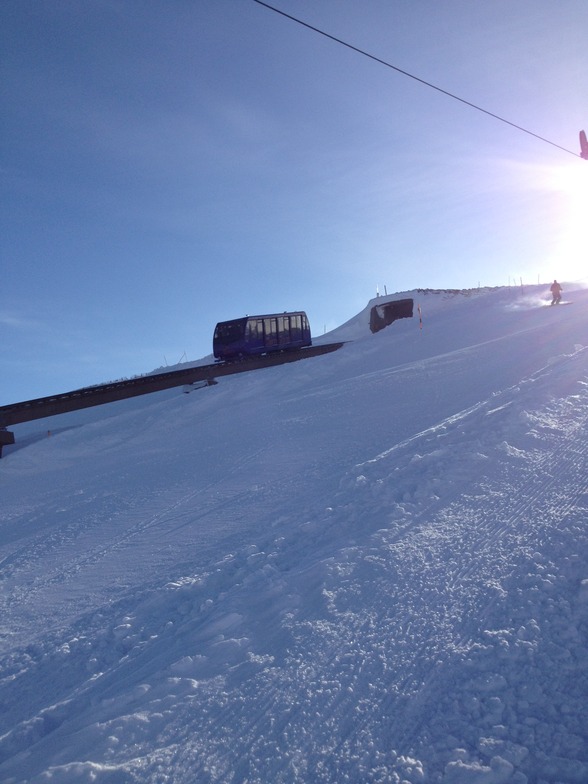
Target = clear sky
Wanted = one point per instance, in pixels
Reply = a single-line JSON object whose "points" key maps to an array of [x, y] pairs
{"points": [[167, 165]]}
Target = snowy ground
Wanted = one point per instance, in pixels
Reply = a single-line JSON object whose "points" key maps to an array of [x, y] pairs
{"points": [[369, 566]]}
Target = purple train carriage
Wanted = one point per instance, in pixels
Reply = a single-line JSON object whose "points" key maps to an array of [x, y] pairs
{"points": [[254, 335]]}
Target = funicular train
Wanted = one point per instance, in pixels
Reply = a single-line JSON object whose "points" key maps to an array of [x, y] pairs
{"points": [[255, 335]]}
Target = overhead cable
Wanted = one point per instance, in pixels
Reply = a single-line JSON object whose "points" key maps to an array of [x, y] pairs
{"points": [[411, 76]]}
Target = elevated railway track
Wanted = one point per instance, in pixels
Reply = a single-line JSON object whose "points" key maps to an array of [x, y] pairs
{"points": [[101, 394]]}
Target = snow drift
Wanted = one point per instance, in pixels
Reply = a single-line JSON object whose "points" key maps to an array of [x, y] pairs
{"points": [[364, 567]]}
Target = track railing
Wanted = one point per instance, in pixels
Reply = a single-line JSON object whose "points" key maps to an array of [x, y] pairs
{"points": [[101, 394]]}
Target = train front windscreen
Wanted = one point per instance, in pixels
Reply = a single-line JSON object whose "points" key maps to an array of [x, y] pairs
{"points": [[228, 332]]}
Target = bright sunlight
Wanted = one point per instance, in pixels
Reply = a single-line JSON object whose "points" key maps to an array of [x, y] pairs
{"points": [[569, 185]]}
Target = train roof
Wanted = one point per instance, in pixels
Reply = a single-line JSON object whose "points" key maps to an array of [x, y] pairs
{"points": [[266, 315]]}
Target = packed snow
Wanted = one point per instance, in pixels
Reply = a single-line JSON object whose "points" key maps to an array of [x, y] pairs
{"points": [[368, 566]]}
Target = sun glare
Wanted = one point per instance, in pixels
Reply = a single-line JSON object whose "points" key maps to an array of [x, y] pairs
{"points": [[569, 185]]}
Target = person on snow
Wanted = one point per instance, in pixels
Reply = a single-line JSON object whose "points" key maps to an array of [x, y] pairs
{"points": [[556, 291]]}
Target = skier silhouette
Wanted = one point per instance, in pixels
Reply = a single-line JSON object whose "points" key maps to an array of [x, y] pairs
{"points": [[556, 291]]}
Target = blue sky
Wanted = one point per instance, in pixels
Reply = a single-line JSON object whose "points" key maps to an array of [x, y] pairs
{"points": [[166, 165]]}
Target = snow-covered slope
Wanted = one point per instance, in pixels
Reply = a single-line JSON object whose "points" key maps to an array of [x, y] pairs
{"points": [[369, 566]]}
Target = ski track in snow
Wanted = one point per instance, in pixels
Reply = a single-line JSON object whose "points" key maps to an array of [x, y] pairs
{"points": [[418, 615]]}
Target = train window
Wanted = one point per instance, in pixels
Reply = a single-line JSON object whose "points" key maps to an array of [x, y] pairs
{"points": [[271, 331], [255, 330], [228, 333]]}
